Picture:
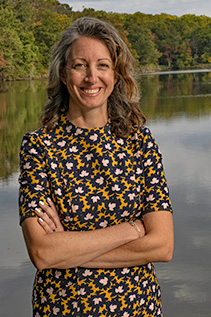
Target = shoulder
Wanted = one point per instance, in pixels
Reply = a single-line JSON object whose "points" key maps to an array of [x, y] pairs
{"points": [[144, 137]]}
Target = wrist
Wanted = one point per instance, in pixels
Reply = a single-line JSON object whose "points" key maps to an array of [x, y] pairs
{"points": [[136, 227]]}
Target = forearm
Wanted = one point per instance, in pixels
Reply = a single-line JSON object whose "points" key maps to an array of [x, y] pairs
{"points": [[71, 249], [155, 246]]}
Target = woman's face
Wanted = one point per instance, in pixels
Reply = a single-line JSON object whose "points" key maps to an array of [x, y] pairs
{"points": [[89, 75]]}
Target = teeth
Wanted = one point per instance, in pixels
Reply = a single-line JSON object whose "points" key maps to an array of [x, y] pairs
{"points": [[91, 91]]}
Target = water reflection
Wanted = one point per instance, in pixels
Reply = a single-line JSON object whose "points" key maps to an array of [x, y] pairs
{"points": [[178, 111]]}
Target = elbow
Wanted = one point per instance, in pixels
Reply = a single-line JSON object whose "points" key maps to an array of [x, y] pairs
{"points": [[39, 259], [167, 253]]}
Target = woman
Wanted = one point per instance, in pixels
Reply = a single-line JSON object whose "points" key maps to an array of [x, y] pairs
{"points": [[89, 177]]}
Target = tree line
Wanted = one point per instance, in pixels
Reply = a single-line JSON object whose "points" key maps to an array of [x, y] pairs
{"points": [[29, 29]]}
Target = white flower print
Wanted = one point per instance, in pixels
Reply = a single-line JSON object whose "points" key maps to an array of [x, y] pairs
{"points": [[118, 171], [97, 300], [43, 175], [32, 204], [112, 308], [74, 208], [53, 165], [62, 143], [139, 171], [151, 307], [40, 280], [137, 154], [100, 180], [38, 187], [144, 283], [150, 198], [23, 143], [120, 141], [47, 142], [104, 281], [75, 305], [166, 189], [95, 199], [73, 149], [165, 205], [148, 162], [104, 224], [78, 131], [149, 145], [58, 192], [159, 165], [136, 278], [43, 300], [125, 214], [133, 178], [94, 137], [89, 156], [142, 301], [68, 129], [79, 190], [131, 196], [108, 146], [37, 315], [89, 216], [81, 291], [125, 314], [115, 188], [63, 293], [84, 173], [50, 290], [69, 165], [87, 273], [125, 270], [27, 166], [111, 206], [121, 155], [154, 181], [132, 297], [119, 289], [32, 151], [105, 162], [57, 274], [55, 310]]}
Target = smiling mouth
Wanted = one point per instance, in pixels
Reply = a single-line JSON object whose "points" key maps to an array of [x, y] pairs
{"points": [[91, 91]]}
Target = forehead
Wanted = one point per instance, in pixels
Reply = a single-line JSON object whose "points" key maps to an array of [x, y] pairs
{"points": [[88, 47]]}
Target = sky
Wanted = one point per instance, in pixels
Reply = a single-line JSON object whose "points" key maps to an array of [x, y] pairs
{"points": [[172, 7]]}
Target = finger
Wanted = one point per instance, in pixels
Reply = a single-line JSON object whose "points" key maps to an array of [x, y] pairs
{"points": [[48, 222], [45, 226], [51, 204]]}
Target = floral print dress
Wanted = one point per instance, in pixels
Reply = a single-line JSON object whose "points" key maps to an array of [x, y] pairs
{"points": [[98, 180]]}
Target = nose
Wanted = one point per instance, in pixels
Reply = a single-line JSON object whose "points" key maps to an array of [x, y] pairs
{"points": [[91, 75]]}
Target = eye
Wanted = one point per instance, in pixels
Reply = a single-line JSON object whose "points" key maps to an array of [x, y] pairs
{"points": [[103, 66], [79, 66]]}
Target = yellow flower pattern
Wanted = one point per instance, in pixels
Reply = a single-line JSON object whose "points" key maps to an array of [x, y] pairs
{"points": [[97, 179]]}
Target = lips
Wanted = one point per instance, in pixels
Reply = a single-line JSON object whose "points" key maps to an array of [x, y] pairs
{"points": [[93, 91]]}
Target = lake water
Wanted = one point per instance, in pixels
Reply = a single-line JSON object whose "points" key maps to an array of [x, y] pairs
{"points": [[178, 110]]}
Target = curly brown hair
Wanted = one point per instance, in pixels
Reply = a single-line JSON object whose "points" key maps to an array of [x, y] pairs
{"points": [[123, 103]]}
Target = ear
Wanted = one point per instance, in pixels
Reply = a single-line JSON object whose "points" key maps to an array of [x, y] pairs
{"points": [[63, 76]]}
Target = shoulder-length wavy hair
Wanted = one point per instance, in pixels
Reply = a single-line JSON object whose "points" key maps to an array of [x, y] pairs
{"points": [[123, 103]]}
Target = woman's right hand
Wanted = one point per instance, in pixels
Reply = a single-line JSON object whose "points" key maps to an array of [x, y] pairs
{"points": [[48, 217]]}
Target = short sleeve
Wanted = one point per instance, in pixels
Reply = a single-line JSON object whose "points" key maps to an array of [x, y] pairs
{"points": [[33, 181], [156, 190]]}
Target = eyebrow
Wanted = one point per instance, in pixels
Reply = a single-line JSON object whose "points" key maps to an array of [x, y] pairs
{"points": [[99, 59]]}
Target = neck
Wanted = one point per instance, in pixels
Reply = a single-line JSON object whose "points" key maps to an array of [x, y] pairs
{"points": [[88, 120]]}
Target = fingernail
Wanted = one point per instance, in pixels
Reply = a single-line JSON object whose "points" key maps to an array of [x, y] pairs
{"points": [[40, 219], [48, 199], [37, 209], [41, 203]]}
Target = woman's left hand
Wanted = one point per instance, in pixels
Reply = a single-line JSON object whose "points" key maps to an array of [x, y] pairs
{"points": [[48, 217]]}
